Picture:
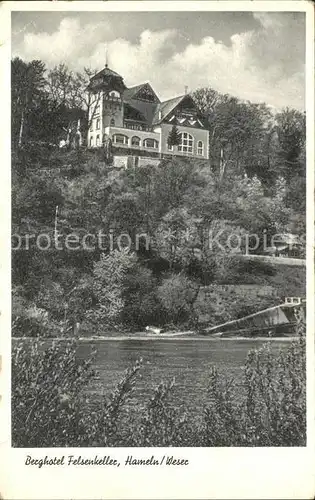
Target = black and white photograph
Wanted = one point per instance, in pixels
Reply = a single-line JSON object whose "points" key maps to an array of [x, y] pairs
{"points": [[159, 248]]}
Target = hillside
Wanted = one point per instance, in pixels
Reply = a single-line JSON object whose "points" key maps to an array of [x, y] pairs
{"points": [[111, 248]]}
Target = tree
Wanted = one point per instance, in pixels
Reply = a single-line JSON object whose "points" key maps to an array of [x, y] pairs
{"points": [[291, 132], [35, 198], [238, 133], [177, 295], [177, 237], [173, 181], [27, 84], [62, 87], [108, 286], [141, 304], [69, 89], [207, 99], [174, 137]]}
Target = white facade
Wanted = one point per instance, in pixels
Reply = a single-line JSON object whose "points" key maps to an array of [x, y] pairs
{"points": [[134, 119]]}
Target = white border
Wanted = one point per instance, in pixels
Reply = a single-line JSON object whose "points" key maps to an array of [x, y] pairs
{"points": [[213, 473]]}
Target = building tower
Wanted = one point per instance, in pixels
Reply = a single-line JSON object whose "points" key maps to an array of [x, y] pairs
{"points": [[105, 92]]}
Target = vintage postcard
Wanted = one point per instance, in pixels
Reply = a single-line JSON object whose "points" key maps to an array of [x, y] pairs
{"points": [[157, 302]]}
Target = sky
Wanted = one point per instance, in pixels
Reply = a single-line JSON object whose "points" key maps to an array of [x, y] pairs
{"points": [[255, 56]]}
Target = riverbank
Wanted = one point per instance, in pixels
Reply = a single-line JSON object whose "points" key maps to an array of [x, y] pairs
{"points": [[180, 336]]}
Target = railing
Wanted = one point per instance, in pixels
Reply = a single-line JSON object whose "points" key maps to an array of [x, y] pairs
{"points": [[108, 97], [131, 125], [293, 300]]}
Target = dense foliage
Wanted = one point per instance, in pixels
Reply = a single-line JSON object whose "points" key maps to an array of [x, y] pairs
{"points": [[114, 250], [253, 184], [51, 405]]}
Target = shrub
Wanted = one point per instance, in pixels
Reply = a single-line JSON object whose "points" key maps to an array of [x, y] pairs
{"points": [[272, 409], [47, 393], [161, 423], [51, 406], [177, 295], [108, 286], [141, 305], [28, 320]]}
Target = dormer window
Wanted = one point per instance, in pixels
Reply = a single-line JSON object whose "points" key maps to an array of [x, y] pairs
{"points": [[114, 94]]}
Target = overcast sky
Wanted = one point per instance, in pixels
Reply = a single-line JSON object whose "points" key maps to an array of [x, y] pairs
{"points": [[256, 56]]}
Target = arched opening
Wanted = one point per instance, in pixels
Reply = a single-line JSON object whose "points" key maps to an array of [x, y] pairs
{"points": [[114, 94], [135, 141], [200, 148], [120, 139], [151, 143]]}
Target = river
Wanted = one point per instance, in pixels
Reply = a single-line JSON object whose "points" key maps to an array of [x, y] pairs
{"points": [[188, 360]]}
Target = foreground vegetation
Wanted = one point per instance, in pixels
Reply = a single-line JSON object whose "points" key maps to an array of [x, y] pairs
{"points": [[51, 406]]}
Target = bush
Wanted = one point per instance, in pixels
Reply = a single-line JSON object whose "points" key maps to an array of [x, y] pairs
{"points": [[47, 390], [272, 409], [51, 407], [177, 295]]}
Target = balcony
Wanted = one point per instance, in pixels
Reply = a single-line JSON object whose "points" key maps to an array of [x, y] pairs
{"points": [[137, 139], [112, 98], [134, 125]]}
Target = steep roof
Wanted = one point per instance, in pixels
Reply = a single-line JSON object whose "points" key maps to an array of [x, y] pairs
{"points": [[106, 72], [105, 76], [131, 93], [146, 108], [165, 108]]}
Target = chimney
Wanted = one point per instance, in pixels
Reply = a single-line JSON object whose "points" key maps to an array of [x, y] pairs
{"points": [[186, 89]]}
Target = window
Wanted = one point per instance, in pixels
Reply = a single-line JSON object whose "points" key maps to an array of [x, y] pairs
{"points": [[97, 124], [150, 143], [97, 110], [200, 148], [120, 139], [170, 148], [135, 141], [114, 93], [97, 143], [112, 122], [187, 142], [91, 127], [91, 141]]}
